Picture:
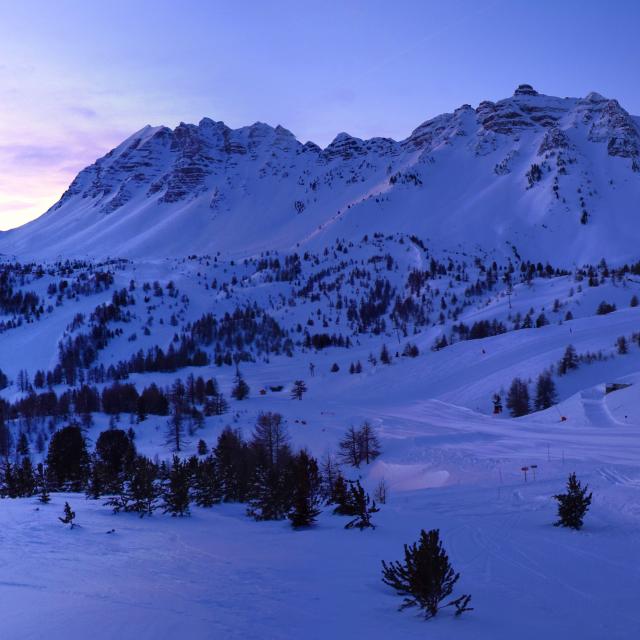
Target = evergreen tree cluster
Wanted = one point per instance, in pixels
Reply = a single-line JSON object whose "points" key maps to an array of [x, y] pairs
{"points": [[246, 332], [518, 401], [192, 398], [264, 472]]}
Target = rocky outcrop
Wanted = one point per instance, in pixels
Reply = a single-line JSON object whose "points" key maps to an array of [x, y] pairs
{"points": [[166, 167], [553, 140]]}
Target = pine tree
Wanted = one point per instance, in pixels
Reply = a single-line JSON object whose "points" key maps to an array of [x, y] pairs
{"points": [[385, 358], [369, 443], [298, 390], [69, 516], [382, 491], [43, 485], [270, 493], [140, 491], [569, 360], [604, 308], [573, 505], [68, 459], [23, 445], [207, 484], [359, 445], [541, 321], [270, 440], [176, 489], [622, 346], [9, 483], [426, 576], [497, 404], [216, 405], [232, 460], [545, 392], [5, 439], [25, 478], [362, 506], [114, 456], [241, 389], [341, 497], [518, 398], [329, 473], [306, 491], [175, 431], [220, 405], [96, 483], [349, 448], [202, 448]]}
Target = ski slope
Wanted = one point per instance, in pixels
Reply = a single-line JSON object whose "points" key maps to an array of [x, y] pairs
{"points": [[219, 574], [448, 462]]}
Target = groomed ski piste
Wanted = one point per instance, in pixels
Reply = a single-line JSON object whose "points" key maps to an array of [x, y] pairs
{"points": [[448, 462]]}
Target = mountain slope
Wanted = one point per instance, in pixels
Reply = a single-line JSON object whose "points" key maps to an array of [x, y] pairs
{"points": [[550, 178]]}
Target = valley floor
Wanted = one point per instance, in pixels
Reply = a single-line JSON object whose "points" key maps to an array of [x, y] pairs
{"points": [[218, 574]]}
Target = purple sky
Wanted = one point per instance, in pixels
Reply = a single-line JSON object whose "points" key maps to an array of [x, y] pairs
{"points": [[77, 77]]}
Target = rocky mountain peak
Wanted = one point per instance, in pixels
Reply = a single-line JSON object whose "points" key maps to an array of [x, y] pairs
{"points": [[454, 170], [525, 90]]}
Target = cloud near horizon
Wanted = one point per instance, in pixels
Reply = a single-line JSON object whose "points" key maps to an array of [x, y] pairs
{"points": [[47, 135], [33, 176]]}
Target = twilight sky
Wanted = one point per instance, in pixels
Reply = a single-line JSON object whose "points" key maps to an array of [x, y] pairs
{"points": [[77, 77]]}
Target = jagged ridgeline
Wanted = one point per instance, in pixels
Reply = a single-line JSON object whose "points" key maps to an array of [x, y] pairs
{"points": [[554, 178]]}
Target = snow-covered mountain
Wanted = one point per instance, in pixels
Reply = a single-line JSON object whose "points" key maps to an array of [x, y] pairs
{"points": [[376, 303], [532, 175]]}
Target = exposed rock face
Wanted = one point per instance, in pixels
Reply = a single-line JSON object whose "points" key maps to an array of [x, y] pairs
{"points": [[176, 165], [123, 171], [553, 140], [344, 146], [526, 110], [525, 90], [609, 122], [259, 182]]}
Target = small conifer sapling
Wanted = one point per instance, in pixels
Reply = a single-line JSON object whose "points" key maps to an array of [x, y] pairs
{"points": [[426, 576], [69, 516], [573, 505]]}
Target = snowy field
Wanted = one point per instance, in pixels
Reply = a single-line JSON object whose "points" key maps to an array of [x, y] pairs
{"points": [[218, 574], [448, 462]]}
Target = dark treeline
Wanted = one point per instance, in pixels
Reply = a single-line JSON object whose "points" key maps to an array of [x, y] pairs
{"points": [[319, 341], [234, 334], [238, 336], [286, 272], [264, 472], [77, 355], [479, 329], [115, 399]]}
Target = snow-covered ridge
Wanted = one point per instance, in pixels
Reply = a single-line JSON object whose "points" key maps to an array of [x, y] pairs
{"points": [[555, 178]]}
